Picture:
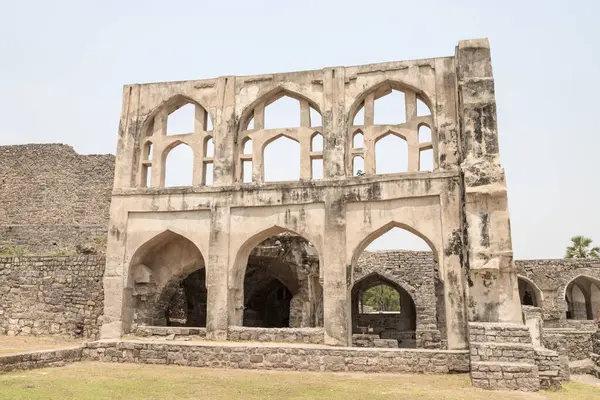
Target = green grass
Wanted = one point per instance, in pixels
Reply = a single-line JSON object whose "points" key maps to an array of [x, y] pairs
{"points": [[94, 381]]}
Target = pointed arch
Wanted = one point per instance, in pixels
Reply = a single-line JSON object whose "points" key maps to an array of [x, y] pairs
{"points": [[380, 89], [155, 269], [240, 263], [402, 327], [362, 245], [271, 96], [287, 152], [168, 106], [525, 284], [184, 163]]}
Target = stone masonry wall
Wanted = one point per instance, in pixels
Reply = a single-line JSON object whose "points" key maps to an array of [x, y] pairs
{"points": [[577, 345], [552, 277], [412, 270], [39, 359], [53, 199], [298, 358], [51, 295]]}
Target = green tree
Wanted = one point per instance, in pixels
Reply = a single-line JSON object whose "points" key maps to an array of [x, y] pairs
{"points": [[382, 298], [580, 248], [360, 173]]}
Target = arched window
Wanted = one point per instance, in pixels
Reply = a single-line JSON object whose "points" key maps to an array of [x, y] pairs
{"points": [[422, 109], [358, 166], [209, 147], [358, 140], [283, 113], [391, 155], [390, 109], [424, 134], [179, 166], [282, 160], [181, 121], [317, 143], [247, 147]]}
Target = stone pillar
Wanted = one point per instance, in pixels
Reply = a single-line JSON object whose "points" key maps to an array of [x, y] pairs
{"points": [[217, 317], [335, 125], [493, 290], [532, 316], [225, 127], [335, 281], [335, 129], [451, 268]]}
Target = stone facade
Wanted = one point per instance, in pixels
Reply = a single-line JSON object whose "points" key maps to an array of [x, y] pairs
{"points": [[51, 295], [54, 201]]}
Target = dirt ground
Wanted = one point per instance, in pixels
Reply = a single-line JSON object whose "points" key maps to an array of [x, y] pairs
{"points": [[94, 381], [23, 344]]}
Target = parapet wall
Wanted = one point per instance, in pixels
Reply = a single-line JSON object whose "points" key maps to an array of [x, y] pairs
{"points": [[51, 295], [53, 199]]}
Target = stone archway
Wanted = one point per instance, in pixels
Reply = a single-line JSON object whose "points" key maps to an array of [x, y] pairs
{"points": [[167, 275]]}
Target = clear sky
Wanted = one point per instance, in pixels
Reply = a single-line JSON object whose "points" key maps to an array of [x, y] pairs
{"points": [[63, 65]]}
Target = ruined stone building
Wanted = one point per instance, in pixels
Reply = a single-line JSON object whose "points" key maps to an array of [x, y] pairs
{"points": [[236, 256]]}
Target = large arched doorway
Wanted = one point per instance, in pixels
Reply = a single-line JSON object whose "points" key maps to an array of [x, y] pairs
{"points": [[281, 284], [402, 259], [168, 278], [382, 307], [582, 296]]}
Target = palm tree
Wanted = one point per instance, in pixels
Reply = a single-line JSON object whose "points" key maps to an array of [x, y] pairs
{"points": [[580, 248]]}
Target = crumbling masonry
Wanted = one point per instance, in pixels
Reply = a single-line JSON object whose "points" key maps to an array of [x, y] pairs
{"points": [[238, 258]]}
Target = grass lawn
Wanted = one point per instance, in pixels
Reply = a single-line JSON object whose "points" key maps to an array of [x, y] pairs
{"points": [[23, 344], [91, 381]]}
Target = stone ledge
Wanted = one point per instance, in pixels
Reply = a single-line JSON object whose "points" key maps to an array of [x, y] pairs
{"points": [[37, 359], [170, 332], [280, 335], [290, 357]]}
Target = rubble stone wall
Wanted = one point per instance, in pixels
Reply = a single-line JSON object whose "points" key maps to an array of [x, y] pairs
{"points": [[38, 359], [551, 278], [577, 345], [53, 199], [298, 358], [414, 271], [51, 295]]}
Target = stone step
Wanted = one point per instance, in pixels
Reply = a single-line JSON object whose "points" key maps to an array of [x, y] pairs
{"points": [[498, 375], [499, 332], [504, 352]]}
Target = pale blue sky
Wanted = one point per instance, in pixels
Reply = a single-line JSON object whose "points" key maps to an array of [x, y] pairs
{"points": [[64, 64]]}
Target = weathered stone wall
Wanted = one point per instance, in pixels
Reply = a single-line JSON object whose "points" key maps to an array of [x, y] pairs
{"points": [[53, 199], [38, 359], [281, 335], [413, 271], [551, 278], [298, 358], [51, 295], [577, 345]]}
